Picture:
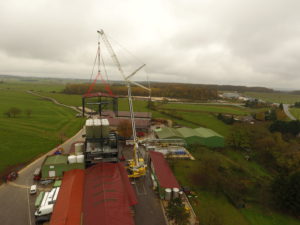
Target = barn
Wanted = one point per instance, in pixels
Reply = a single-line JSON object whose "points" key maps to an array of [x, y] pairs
{"points": [[200, 135]]}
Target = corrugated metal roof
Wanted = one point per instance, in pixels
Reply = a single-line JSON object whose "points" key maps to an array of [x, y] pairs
{"points": [[107, 196], [204, 132], [184, 132], [56, 159], [68, 207], [167, 132], [139, 123], [163, 172], [187, 132]]}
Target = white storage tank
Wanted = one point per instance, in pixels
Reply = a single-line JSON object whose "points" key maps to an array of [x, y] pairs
{"points": [[72, 159], [175, 193], [97, 128], [80, 158], [79, 148], [168, 194], [89, 128]]}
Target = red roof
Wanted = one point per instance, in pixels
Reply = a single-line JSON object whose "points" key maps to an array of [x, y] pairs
{"points": [[107, 196], [68, 207], [139, 123], [162, 170]]}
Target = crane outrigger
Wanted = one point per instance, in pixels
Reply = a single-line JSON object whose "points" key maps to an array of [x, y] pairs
{"points": [[136, 166]]}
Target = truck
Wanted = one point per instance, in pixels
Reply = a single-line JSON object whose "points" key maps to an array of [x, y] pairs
{"points": [[37, 174], [44, 210]]}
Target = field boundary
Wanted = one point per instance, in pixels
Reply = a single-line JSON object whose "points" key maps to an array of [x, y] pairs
{"points": [[54, 101]]}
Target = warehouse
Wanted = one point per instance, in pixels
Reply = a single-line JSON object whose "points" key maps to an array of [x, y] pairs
{"points": [[55, 165], [100, 193], [68, 207], [201, 135], [168, 133], [162, 176]]}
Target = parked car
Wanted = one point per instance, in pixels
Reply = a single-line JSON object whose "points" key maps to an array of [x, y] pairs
{"points": [[42, 219], [44, 210], [33, 189], [12, 176], [45, 182], [37, 174]]}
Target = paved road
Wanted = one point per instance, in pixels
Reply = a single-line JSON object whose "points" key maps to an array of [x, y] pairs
{"points": [[16, 205], [148, 211], [287, 112]]}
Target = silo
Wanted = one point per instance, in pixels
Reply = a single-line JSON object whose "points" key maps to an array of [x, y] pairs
{"points": [[79, 148], [72, 159], [80, 158], [168, 194], [175, 193]]}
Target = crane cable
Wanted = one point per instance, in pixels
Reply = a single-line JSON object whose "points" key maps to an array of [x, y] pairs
{"points": [[92, 85]]}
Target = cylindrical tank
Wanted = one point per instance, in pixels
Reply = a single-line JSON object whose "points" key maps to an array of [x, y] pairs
{"points": [[168, 194], [175, 193], [80, 158], [79, 148], [72, 159], [181, 194]]}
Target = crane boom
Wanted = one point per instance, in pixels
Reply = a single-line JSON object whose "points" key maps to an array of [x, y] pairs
{"points": [[128, 82]]}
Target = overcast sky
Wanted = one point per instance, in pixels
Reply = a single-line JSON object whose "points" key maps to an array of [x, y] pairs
{"points": [[245, 42]]}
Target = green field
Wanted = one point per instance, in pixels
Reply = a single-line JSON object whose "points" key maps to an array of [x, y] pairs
{"points": [[25, 137], [210, 206], [295, 112], [275, 97], [225, 109]]}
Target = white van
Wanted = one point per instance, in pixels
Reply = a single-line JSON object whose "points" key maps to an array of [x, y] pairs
{"points": [[33, 189], [44, 210]]}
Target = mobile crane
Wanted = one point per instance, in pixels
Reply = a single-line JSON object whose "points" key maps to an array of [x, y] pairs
{"points": [[136, 166]]}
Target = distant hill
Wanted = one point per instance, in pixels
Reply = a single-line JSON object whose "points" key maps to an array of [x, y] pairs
{"points": [[215, 87]]}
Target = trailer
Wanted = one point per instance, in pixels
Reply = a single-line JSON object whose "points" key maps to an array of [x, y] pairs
{"points": [[39, 199]]}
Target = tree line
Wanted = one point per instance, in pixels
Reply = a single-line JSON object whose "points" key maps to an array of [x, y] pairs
{"points": [[181, 91]]}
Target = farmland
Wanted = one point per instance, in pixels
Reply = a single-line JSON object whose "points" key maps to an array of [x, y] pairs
{"points": [[27, 136], [275, 97], [209, 205], [295, 112]]}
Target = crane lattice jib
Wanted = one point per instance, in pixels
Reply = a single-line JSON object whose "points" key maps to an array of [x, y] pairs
{"points": [[116, 61]]}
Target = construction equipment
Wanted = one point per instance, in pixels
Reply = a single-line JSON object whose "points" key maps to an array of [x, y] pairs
{"points": [[136, 166]]}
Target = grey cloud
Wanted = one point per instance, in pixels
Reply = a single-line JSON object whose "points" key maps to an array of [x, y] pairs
{"points": [[226, 42]]}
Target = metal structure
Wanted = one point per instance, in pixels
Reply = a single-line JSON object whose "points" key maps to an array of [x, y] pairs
{"points": [[137, 167], [103, 101]]}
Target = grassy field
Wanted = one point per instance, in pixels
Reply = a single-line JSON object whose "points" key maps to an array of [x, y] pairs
{"points": [[295, 112], [225, 109], [275, 97], [195, 116], [25, 137], [211, 206]]}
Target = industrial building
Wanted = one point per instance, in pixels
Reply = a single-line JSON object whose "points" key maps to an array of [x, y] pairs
{"points": [[100, 143], [162, 176], [101, 194], [201, 135], [55, 165]]}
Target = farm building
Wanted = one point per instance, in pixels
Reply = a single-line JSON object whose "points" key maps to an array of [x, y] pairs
{"points": [[55, 165], [162, 176], [168, 133], [199, 135], [101, 194]]}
